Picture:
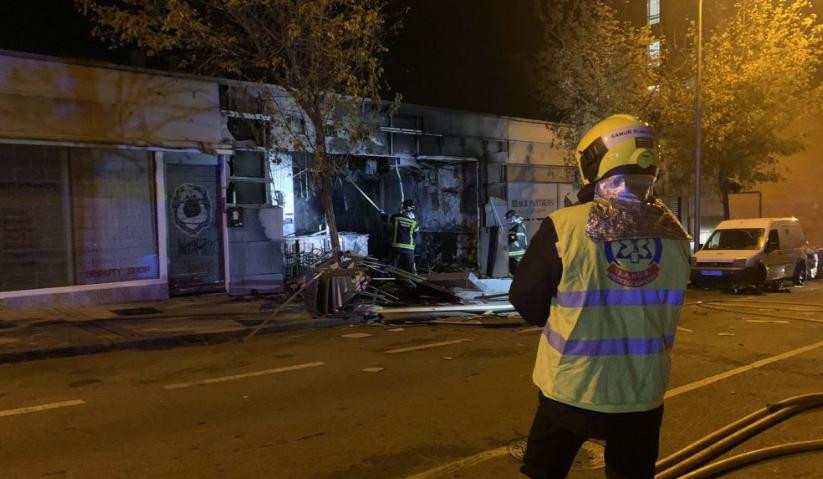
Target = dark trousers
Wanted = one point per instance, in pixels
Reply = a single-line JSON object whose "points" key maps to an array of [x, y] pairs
{"points": [[404, 259], [559, 430], [513, 262]]}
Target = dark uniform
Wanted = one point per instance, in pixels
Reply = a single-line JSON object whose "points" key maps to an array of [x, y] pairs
{"points": [[403, 229], [518, 241]]}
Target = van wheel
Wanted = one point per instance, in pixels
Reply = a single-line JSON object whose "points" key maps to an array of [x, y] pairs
{"points": [[760, 278], [799, 274]]}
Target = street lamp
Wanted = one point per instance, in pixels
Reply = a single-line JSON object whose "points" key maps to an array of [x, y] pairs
{"points": [[698, 132]]}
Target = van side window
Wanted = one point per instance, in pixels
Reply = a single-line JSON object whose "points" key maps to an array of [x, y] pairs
{"points": [[773, 238]]}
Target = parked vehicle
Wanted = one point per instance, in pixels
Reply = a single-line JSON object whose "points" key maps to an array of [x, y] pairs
{"points": [[759, 252], [819, 263]]}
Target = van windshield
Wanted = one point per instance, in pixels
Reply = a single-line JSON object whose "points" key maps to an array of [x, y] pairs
{"points": [[749, 238]]}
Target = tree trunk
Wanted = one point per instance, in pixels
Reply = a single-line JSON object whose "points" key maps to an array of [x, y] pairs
{"points": [[325, 172], [724, 195], [328, 209]]}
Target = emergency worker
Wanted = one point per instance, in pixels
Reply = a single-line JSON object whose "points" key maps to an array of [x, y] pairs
{"points": [[518, 241], [606, 278], [403, 229]]}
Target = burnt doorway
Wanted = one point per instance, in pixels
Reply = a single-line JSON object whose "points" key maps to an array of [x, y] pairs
{"points": [[195, 240]]}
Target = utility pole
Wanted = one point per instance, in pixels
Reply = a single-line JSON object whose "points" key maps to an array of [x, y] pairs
{"points": [[698, 132]]}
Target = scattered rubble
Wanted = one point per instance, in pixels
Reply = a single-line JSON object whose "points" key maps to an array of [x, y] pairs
{"points": [[352, 285]]}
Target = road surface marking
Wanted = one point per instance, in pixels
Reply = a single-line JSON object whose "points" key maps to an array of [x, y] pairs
{"points": [[372, 370], [41, 407], [772, 321], [680, 328], [426, 346], [504, 450], [529, 330], [462, 463], [742, 369], [395, 330], [355, 335], [243, 376]]}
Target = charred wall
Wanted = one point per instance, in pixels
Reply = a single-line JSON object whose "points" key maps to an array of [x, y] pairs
{"points": [[445, 194]]}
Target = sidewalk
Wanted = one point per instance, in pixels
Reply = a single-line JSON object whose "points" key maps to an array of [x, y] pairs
{"points": [[31, 334]]}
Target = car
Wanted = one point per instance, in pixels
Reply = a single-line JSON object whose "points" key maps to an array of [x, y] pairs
{"points": [[819, 263], [757, 252]]}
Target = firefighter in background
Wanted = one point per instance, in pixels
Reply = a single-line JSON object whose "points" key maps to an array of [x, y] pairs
{"points": [[607, 279], [403, 228], [518, 241]]}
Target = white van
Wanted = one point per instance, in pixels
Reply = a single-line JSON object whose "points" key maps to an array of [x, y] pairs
{"points": [[754, 252]]}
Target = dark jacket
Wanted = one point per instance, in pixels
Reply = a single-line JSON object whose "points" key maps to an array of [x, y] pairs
{"points": [[403, 230], [517, 239]]}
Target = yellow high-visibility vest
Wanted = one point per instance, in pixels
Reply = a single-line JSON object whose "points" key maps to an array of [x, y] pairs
{"points": [[404, 231], [606, 346]]}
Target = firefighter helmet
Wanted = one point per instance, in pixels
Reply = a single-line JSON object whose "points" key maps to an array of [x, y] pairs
{"points": [[513, 218], [408, 205], [618, 141]]}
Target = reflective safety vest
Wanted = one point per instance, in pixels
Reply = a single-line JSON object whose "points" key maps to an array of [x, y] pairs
{"points": [[518, 241], [606, 346], [404, 230]]}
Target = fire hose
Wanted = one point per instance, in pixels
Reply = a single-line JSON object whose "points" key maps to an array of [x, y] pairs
{"points": [[685, 463], [745, 308], [371, 202]]}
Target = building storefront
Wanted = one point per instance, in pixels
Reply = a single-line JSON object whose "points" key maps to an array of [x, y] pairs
{"points": [[121, 185], [72, 218], [85, 208]]}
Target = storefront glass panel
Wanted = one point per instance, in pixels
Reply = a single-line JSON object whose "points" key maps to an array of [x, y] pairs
{"points": [[75, 216]]}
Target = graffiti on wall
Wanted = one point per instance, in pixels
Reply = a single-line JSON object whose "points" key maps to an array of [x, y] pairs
{"points": [[197, 246], [194, 240], [191, 208]]}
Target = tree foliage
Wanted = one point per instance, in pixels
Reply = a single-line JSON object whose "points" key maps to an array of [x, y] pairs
{"points": [[325, 54], [592, 65], [758, 82]]}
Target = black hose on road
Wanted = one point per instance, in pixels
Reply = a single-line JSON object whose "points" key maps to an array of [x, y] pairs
{"points": [[725, 438], [741, 460], [754, 313]]}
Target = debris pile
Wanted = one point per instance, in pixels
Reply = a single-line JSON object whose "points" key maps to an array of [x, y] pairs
{"points": [[350, 284]]}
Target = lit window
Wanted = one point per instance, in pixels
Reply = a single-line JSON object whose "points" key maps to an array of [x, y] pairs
{"points": [[653, 11]]}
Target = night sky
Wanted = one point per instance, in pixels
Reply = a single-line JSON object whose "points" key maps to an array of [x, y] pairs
{"points": [[473, 55], [464, 54], [470, 55]]}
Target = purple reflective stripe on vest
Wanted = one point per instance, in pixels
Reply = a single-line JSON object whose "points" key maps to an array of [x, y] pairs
{"points": [[607, 347], [620, 297]]}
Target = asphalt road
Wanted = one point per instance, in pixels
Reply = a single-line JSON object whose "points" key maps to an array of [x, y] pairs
{"points": [[370, 401]]}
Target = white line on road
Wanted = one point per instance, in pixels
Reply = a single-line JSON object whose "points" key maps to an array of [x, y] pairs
{"points": [[742, 369], [462, 463], [243, 376], [769, 321], [680, 328], [425, 346], [41, 407], [504, 450], [530, 330]]}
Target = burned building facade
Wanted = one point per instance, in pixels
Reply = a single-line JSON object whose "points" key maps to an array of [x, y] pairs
{"points": [[121, 184]]}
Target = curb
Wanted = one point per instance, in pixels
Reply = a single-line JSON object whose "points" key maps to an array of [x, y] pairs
{"points": [[165, 341]]}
